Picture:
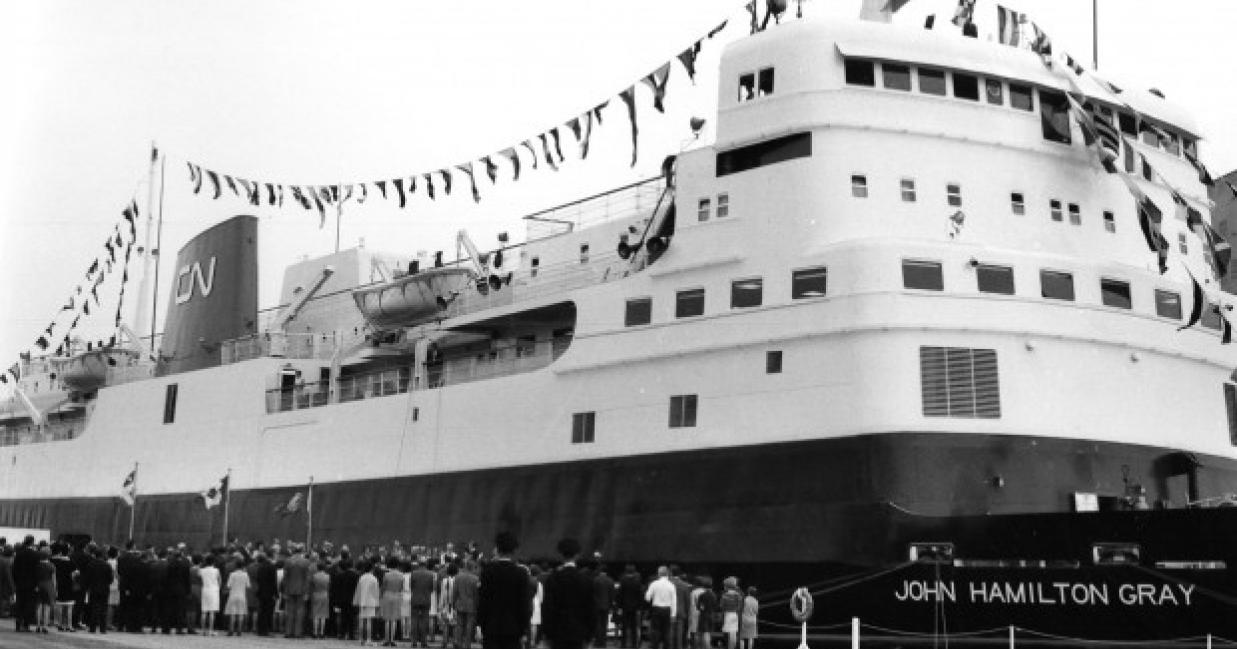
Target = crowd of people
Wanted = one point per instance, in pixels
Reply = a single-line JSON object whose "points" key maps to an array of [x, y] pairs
{"points": [[384, 595]]}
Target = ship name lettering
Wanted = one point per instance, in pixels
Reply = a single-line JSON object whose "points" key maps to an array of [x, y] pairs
{"points": [[923, 591], [1057, 592], [1156, 595]]}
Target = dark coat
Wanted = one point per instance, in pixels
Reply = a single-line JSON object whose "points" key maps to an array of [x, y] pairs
{"points": [[158, 571], [504, 603], [631, 592], [268, 581], [25, 568], [343, 587], [421, 582], [568, 612], [296, 571], [603, 592], [98, 578], [178, 577], [133, 574]]}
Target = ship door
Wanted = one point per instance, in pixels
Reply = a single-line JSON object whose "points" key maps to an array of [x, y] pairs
{"points": [[287, 387], [1180, 474]]}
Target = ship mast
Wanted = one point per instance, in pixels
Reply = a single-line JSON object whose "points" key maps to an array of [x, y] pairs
{"points": [[144, 289]]}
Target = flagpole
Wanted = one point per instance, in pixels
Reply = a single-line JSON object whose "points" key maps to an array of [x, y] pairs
{"points": [[133, 507], [139, 324], [1095, 34], [227, 498], [154, 254], [309, 515]]}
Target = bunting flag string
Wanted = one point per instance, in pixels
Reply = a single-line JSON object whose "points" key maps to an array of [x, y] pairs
{"points": [[398, 183], [466, 169], [629, 98], [491, 169], [529, 145], [514, 156], [656, 80], [446, 182], [545, 149]]}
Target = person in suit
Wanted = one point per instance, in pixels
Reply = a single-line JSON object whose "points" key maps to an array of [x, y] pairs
{"points": [[603, 601], [504, 602], [131, 571], [25, 583], [175, 591], [630, 602], [6, 578], [267, 589], [422, 582], [568, 614], [295, 590], [158, 590], [683, 591], [464, 600], [98, 585], [343, 587]]}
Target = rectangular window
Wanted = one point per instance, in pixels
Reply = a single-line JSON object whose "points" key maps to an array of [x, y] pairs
{"points": [[723, 205], [959, 382], [1075, 214], [639, 311], [1167, 304], [764, 153], [703, 208], [169, 404], [683, 411], [995, 279], [966, 86], [860, 73], [584, 253], [1020, 97], [1174, 144], [1114, 292], [773, 362], [1189, 146], [1181, 244], [953, 194], [525, 346], [1016, 203], [1054, 207], [896, 77], [747, 87], [908, 190], [746, 292], [924, 275], [932, 81], [1230, 406], [1128, 124], [859, 186], [764, 86], [808, 282], [583, 427], [992, 90], [1056, 285], [1054, 116], [689, 303], [1110, 221], [1211, 316]]}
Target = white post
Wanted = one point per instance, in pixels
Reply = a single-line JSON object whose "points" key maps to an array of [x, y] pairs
{"points": [[144, 295], [803, 637], [1208, 641], [854, 633], [1011, 636]]}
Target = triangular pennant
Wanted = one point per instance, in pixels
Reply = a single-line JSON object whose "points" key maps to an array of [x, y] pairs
{"points": [[364, 193], [382, 187], [232, 184], [429, 185], [321, 210], [466, 169], [558, 148], [688, 58], [629, 97], [716, 30], [446, 181], [514, 157], [214, 180], [588, 134], [491, 169], [398, 183], [545, 148], [656, 80], [574, 125], [42, 343], [528, 144], [270, 194], [597, 110]]}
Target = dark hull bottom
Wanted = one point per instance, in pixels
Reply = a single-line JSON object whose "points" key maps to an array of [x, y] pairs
{"points": [[835, 515]]}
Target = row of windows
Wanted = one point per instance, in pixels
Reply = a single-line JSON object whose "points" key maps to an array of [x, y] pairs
{"points": [[1054, 285], [1053, 105], [1017, 202], [704, 207], [755, 84], [744, 293]]}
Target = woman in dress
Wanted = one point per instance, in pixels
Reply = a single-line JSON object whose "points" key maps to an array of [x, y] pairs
{"points": [[693, 612], [113, 595], [730, 604], [446, 604], [391, 601], [405, 604], [320, 600], [193, 605], [238, 604], [534, 623], [747, 619], [45, 574], [366, 598], [210, 578], [66, 587], [706, 605]]}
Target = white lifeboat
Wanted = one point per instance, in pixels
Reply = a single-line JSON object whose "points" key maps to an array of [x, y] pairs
{"points": [[87, 372], [412, 299]]}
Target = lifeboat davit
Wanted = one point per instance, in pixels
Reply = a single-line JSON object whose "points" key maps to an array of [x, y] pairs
{"points": [[412, 299], [87, 372]]}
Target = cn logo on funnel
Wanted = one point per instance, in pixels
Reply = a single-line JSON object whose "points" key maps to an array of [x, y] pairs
{"points": [[191, 275]]}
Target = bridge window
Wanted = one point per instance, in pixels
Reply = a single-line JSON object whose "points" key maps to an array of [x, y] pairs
{"points": [[1181, 243], [1114, 292], [747, 87], [773, 362], [993, 92], [995, 279], [583, 427], [966, 86], [860, 73], [924, 275], [723, 205], [169, 403], [1110, 221], [1056, 285], [1128, 124], [683, 411], [1075, 214], [703, 208], [689, 303], [932, 81], [746, 293], [1054, 207], [1054, 116], [1211, 316], [808, 282], [764, 153], [639, 311], [1167, 304], [1016, 203], [896, 77], [953, 194], [908, 190], [764, 86], [1020, 97], [859, 186]]}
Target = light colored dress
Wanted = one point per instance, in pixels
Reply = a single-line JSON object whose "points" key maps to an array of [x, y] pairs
{"points": [[113, 593], [238, 583], [693, 613], [366, 596], [392, 589], [210, 588], [405, 602], [747, 619], [537, 599], [320, 598]]}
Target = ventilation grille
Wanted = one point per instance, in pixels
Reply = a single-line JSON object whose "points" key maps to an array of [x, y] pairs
{"points": [[959, 382]]}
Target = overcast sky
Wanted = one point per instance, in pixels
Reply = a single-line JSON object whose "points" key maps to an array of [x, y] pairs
{"points": [[316, 92]]}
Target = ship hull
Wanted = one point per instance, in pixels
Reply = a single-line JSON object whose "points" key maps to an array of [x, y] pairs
{"points": [[839, 515]]}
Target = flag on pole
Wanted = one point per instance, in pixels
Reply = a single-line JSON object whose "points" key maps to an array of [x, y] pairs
{"points": [[1010, 26], [964, 13], [128, 489], [213, 495], [292, 506]]}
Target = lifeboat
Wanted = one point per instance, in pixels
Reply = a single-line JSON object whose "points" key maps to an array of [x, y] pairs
{"points": [[412, 299], [87, 372]]}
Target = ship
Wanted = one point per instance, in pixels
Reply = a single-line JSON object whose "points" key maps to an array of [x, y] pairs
{"points": [[893, 335]]}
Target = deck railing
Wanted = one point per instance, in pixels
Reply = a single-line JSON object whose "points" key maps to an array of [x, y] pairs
{"points": [[53, 431], [278, 345]]}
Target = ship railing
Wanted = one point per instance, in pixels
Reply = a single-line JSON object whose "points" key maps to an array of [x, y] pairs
{"points": [[548, 280], [502, 361], [374, 384], [53, 431], [624, 202], [278, 345]]}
